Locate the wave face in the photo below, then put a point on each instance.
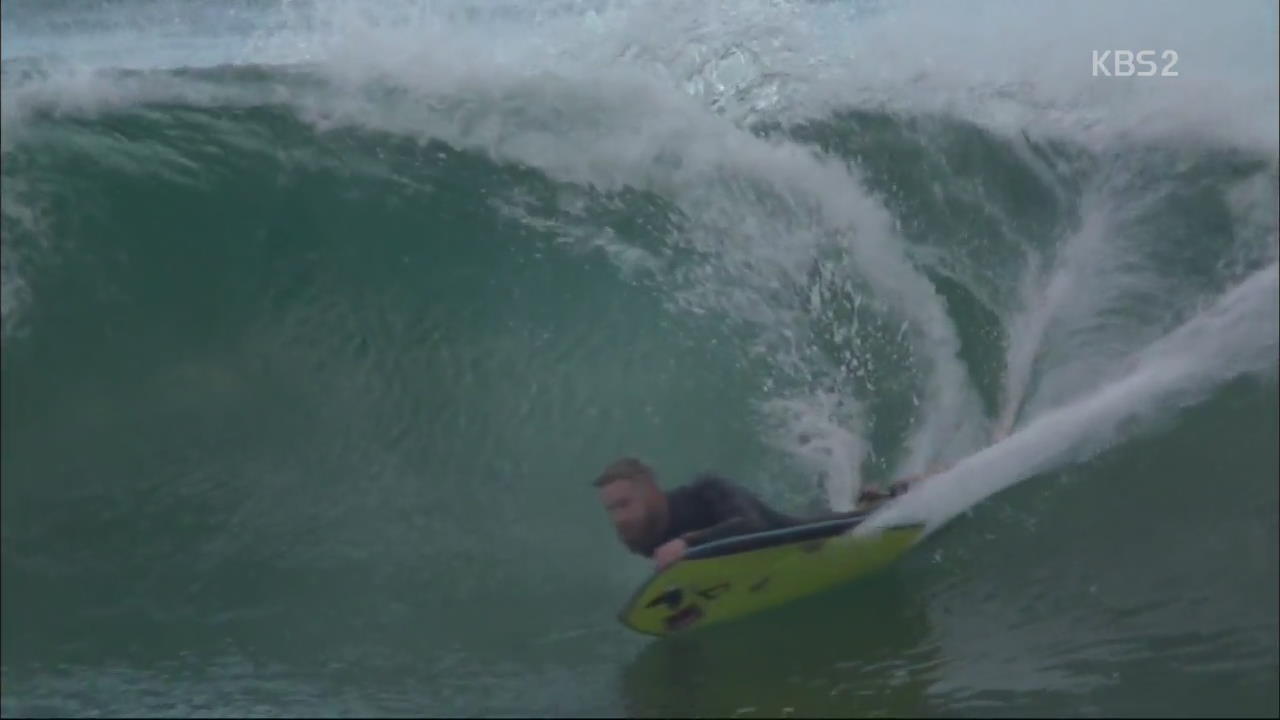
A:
(319, 317)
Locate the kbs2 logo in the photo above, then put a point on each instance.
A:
(1127, 63)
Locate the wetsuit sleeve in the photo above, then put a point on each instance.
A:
(737, 512)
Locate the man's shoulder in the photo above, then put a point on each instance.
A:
(706, 484)
(705, 479)
(710, 482)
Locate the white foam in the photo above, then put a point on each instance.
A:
(1011, 65)
(1239, 334)
(1029, 66)
(654, 94)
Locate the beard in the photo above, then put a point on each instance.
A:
(647, 537)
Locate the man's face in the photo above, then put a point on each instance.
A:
(630, 505)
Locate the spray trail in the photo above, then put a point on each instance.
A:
(1237, 335)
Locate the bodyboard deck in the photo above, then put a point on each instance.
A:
(743, 575)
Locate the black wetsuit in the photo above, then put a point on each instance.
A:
(712, 508)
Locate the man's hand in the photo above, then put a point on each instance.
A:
(669, 552)
(870, 495)
(901, 485)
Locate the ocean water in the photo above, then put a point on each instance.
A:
(319, 317)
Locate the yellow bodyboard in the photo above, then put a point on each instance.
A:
(740, 576)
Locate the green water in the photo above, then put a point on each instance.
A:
(305, 381)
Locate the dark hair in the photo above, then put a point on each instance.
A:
(627, 468)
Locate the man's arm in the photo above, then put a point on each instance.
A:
(737, 525)
(738, 512)
(872, 496)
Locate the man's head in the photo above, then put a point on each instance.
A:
(637, 507)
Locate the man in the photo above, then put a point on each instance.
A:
(663, 525)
